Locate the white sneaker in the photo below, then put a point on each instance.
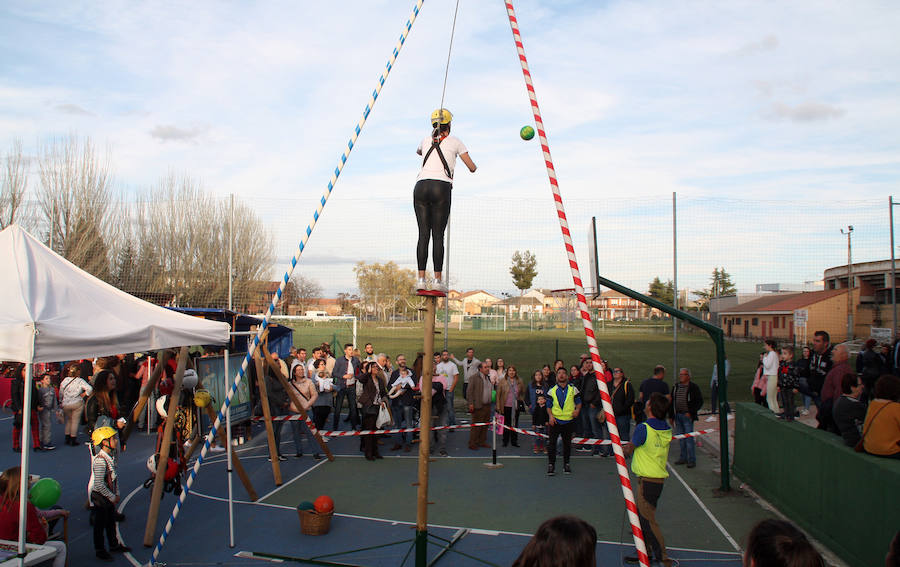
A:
(421, 284)
(440, 286)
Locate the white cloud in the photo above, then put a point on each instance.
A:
(809, 111)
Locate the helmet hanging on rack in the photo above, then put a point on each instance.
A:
(441, 116)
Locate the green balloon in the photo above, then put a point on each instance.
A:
(306, 505)
(44, 493)
(527, 132)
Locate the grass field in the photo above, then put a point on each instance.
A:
(636, 350)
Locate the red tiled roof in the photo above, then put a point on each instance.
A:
(784, 302)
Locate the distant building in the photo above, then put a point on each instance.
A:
(612, 305)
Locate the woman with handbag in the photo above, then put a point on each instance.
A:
(510, 401)
(307, 394)
(374, 392)
(74, 390)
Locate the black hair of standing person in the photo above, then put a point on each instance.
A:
(563, 540)
(779, 543)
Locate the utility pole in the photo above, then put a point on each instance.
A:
(849, 282)
(891, 205)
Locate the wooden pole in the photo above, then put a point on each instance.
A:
(295, 399)
(163, 460)
(267, 417)
(425, 435)
(162, 358)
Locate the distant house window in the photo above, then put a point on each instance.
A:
(737, 321)
(754, 321)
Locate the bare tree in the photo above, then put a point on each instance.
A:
(13, 183)
(177, 248)
(299, 293)
(75, 199)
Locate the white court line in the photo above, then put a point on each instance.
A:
(298, 477)
(715, 521)
(121, 507)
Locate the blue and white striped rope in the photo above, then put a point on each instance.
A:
(287, 276)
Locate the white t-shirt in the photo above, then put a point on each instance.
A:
(451, 147)
(447, 370)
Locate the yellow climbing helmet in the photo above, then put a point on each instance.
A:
(102, 433)
(441, 116)
(202, 398)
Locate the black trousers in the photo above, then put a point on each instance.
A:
(511, 418)
(431, 201)
(565, 430)
(104, 513)
(320, 416)
(348, 393)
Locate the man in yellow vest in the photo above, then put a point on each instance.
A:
(650, 445)
(564, 405)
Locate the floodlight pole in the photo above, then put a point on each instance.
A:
(891, 204)
(849, 283)
(227, 374)
(674, 283)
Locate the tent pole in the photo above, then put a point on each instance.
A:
(228, 448)
(26, 433)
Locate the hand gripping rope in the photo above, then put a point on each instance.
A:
(579, 292)
(275, 299)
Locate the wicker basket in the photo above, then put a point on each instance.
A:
(313, 523)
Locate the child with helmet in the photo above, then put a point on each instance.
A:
(103, 491)
(431, 195)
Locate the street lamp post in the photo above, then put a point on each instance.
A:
(849, 283)
(891, 205)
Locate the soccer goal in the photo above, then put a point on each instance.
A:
(312, 330)
(484, 322)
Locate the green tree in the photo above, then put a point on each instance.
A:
(382, 287)
(523, 270)
(299, 292)
(720, 285)
(661, 291)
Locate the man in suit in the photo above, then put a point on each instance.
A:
(345, 372)
(478, 397)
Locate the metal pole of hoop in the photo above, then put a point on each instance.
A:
(621, 467)
(220, 417)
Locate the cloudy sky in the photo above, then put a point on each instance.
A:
(782, 115)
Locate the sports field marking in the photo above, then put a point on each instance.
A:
(121, 507)
(712, 517)
(296, 478)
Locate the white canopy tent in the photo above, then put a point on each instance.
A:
(54, 311)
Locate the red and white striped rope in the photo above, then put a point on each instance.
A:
(354, 433)
(592, 441)
(579, 292)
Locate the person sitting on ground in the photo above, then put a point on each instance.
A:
(849, 410)
(778, 543)
(35, 529)
(881, 431)
(563, 540)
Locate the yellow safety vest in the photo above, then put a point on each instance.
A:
(649, 459)
(566, 412)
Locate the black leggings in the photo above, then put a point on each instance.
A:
(431, 201)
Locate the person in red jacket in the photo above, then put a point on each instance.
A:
(35, 532)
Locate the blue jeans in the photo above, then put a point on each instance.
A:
(298, 429)
(623, 423)
(597, 431)
(403, 418)
(451, 411)
(684, 424)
